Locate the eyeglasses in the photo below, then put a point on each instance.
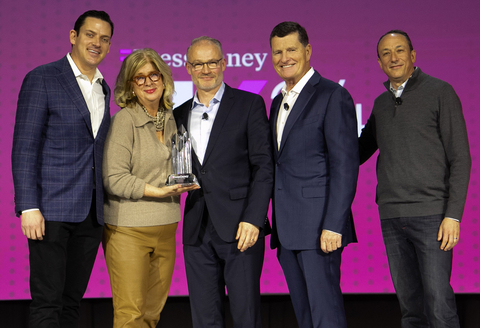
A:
(140, 80)
(211, 64)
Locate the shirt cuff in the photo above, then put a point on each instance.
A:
(334, 232)
(453, 219)
(30, 210)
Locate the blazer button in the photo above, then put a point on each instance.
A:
(203, 172)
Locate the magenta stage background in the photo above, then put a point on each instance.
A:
(343, 35)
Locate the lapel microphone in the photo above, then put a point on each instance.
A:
(205, 116)
(398, 101)
(286, 107)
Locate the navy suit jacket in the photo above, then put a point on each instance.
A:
(316, 167)
(236, 177)
(55, 158)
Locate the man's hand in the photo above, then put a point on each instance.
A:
(33, 225)
(330, 241)
(247, 235)
(448, 233)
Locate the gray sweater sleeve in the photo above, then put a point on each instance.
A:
(454, 137)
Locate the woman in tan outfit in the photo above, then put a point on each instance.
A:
(141, 213)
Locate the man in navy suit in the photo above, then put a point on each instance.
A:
(225, 221)
(314, 128)
(61, 123)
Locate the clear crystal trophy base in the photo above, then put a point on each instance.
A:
(186, 179)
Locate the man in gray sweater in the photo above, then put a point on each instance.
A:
(423, 169)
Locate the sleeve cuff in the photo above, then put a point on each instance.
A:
(453, 219)
(334, 232)
(30, 210)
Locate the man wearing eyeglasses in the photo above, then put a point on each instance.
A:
(225, 221)
(60, 127)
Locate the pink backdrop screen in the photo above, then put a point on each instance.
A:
(343, 36)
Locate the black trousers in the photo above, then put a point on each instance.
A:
(60, 268)
(212, 264)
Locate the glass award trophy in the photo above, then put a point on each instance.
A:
(182, 160)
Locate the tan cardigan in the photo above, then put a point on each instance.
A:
(132, 157)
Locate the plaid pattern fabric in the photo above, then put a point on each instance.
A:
(55, 159)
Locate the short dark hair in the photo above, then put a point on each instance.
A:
(286, 28)
(396, 32)
(94, 14)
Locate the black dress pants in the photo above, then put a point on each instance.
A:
(60, 268)
(212, 264)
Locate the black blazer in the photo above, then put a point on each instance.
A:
(236, 177)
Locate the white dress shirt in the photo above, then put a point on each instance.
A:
(398, 92)
(201, 128)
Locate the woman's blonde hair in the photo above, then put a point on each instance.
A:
(123, 86)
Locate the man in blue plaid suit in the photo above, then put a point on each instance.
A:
(61, 123)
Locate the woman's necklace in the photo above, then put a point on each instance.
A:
(159, 120)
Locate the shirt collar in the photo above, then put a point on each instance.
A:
(401, 87)
(98, 76)
(216, 99)
(300, 84)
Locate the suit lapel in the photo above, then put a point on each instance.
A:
(299, 107)
(226, 103)
(106, 114)
(68, 81)
(182, 119)
(273, 121)
(183, 114)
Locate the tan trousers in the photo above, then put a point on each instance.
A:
(140, 262)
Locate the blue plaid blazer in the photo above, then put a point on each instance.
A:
(56, 161)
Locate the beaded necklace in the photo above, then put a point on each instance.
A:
(159, 120)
